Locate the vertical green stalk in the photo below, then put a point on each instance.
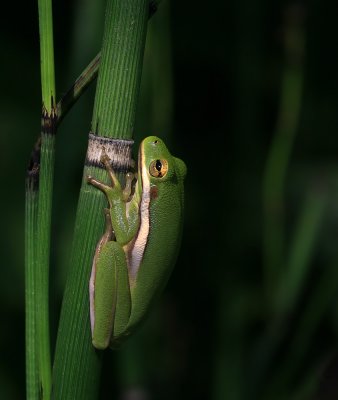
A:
(42, 260)
(279, 153)
(117, 88)
(46, 169)
(77, 364)
(273, 192)
(32, 371)
(302, 247)
(47, 54)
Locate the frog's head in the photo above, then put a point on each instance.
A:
(156, 162)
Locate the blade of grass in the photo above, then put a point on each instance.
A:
(301, 251)
(323, 295)
(280, 150)
(77, 365)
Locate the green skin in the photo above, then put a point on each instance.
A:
(136, 254)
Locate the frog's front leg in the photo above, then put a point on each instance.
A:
(112, 192)
(126, 192)
(123, 204)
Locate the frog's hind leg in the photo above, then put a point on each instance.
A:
(110, 302)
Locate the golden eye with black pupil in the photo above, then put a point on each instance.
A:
(158, 165)
(158, 168)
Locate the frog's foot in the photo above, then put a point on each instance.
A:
(106, 161)
(98, 184)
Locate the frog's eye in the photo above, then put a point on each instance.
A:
(158, 168)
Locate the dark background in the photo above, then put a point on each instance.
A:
(212, 87)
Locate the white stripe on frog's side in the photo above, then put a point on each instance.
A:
(136, 250)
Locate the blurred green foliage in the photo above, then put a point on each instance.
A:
(212, 86)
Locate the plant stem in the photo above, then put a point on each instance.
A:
(47, 54)
(43, 251)
(280, 151)
(301, 251)
(38, 219)
(32, 371)
(114, 92)
(77, 364)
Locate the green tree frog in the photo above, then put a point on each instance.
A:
(136, 254)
